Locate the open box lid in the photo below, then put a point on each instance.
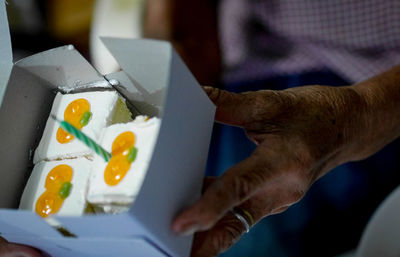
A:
(5, 50)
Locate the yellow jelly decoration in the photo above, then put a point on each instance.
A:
(123, 154)
(77, 114)
(58, 186)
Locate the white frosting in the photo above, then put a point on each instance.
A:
(124, 193)
(102, 105)
(75, 203)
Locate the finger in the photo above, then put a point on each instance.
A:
(207, 182)
(237, 185)
(228, 230)
(274, 198)
(232, 109)
(3, 241)
(16, 250)
(158, 20)
(218, 239)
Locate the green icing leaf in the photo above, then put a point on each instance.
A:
(65, 190)
(132, 154)
(86, 118)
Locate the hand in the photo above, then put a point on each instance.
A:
(16, 250)
(301, 134)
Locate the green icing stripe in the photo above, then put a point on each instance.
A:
(86, 140)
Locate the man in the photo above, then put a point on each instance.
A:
(301, 133)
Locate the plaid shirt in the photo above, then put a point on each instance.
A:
(354, 38)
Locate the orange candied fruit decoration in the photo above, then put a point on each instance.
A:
(51, 200)
(73, 114)
(48, 203)
(116, 169)
(75, 110)
(120, 162)
(57, 176)
(63, 136)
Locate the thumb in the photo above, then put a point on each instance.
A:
(11, 250)
(232, 108)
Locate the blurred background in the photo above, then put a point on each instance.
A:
(328, 221)
(40, 25)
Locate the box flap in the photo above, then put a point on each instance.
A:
(86, 247)
(105, 226)
(178, 163)
(25, 223)
(5, 50)
(176, 172)
(64, 67)
(23, 114)
(150, 104)
(147, 62)
(106, 247)
(45, 244)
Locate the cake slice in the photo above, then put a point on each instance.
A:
(115, 184)
(57, 188)
(90, 112)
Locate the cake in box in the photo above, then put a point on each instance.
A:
(90, 112)
(114, 185)
(57, 188)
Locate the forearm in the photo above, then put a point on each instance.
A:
(158, 22)
(380, 117)
(192, 27)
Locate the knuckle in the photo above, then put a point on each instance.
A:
(272, 109)
(243, 185)
(228, 237)
(297, 195)
(259, 103)
(232, 234)
(205, 252)
(280, 210)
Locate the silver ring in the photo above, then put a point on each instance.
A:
(241, 219)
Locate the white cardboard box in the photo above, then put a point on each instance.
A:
(157, 82)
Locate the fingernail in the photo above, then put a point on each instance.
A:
(208, 89)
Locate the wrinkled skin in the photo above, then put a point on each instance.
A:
(301, 134)
(15, 250)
